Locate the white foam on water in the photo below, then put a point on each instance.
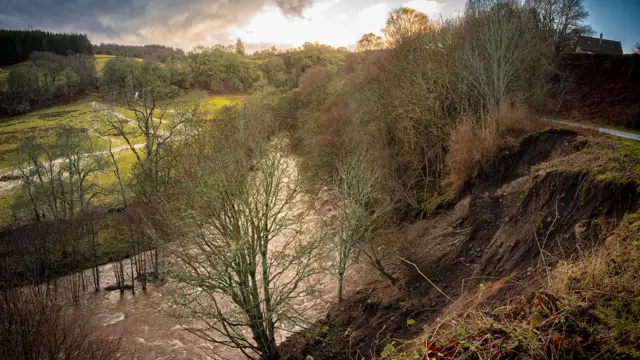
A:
(113, 318)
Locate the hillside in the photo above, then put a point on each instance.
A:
(534, 218)
(602, 89)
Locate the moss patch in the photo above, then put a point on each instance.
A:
(631, 149)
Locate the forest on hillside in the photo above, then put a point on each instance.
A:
(17, 45)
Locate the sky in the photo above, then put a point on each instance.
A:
(616, 20)
(260, 23)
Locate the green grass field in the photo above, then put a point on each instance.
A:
(216, 102)
(43, 125)
(79, 115)
(100, 60)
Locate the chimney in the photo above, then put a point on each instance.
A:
(600, 39)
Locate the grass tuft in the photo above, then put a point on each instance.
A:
(474, 142)
(591, 308)
(605, 159)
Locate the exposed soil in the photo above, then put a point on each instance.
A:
(507, 215)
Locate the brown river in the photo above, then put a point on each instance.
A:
(144, 322)
(147, 329)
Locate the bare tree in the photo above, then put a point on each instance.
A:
(82, 159)
(561, 20)
(359, 216)
(243, 258)
(32, 327)
(141, 89)
(494, 53)
(41, 178)
(56, 179)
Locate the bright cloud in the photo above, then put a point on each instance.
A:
(321, 23)
(325, 22)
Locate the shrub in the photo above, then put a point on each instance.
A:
(31, 327)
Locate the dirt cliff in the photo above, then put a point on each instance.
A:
(547, 201)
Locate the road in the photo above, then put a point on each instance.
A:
(618, 133)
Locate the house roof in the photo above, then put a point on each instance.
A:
(591, 44)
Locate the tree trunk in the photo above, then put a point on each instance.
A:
(271, 351)
(340, 280)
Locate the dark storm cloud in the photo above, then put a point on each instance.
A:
(179, 23)
(81, 14)
(293, 7)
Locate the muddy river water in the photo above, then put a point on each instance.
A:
(144, 322)
(147, 329)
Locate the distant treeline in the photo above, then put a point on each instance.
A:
(150, 52)
(17, 45)
(224, 68)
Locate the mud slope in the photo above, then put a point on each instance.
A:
(604, 89)
(555, 192)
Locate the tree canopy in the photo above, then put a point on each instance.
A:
(17, 45)
(44, 79)
(370, 41)
(404, 24)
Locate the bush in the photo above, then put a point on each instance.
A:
(31, 327)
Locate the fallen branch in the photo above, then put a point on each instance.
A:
(426, 278)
